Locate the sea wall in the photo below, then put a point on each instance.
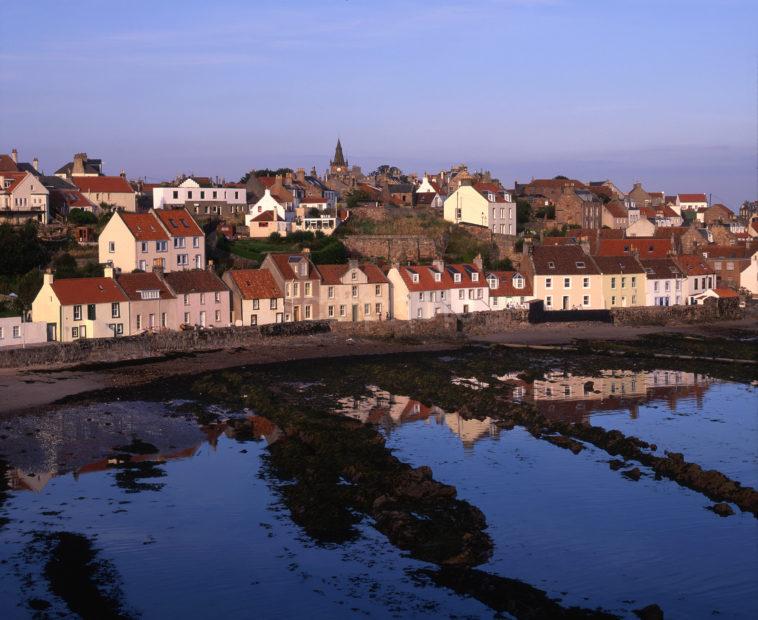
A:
(711, 310)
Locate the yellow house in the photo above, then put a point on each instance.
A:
(82, 308)
(624, 281)
(354, 292)
(256, 297)
(565, 278)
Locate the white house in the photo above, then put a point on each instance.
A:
(665, 282)
(699, 277)
(509, 289)
(268, 203)
(190, 192)
(17, 333)
(482, 204)
(690, 202)
(424, 291)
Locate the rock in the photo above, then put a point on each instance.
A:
(651, 612)
(722, 509)
(615, 464)
(633, 474)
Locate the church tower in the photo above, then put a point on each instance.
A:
(339, 163)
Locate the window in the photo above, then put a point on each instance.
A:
(566, 282)
(729, 266)
(77, 313)
(623, 281)
(717, 264)
(295, 289)
(253, 319)
(195, 242)
(354, 291)
(549, 301)
(667, 285)
(367, 309)
(378, 290)
(461, 294)
(353, 275)
(215, 194)
(613, 282)
(442, 295)
(551, 265)
(678, 285)
(218, 316)
(479, 293)
(161, 246)
(115, 310)
(272, 304)
(330, 312)
(17, 331)
(256, 304)
(634, 281)
(143, 247)
(330, 292)
(378, 308)
(182, 259)
(518, 282)
(421, 296)
(414, 278)
(456, 277)
(418, 313)
(175, 194)
(139, 321)
(586, 300)
(163, 319)
(90, 312)
(494, 301)
(287, 289)
(585, 282)
(307, 289)
(342, 310)
(74, 332)
(202, 298)
(186, 317)
(548, 282)
(111, 246)
(613, 300)
(475, 277)
(655, 286)
(189, 194)
(179, 242)
(1, 333)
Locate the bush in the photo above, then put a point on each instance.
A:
(274, 236)
(80, 217)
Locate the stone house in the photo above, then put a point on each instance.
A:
(717, 213)
(256, 297)
(300, 281)
(354, 292)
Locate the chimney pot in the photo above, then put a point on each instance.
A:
(14, 156)
(35, 164)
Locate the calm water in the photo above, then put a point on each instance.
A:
(205, 533)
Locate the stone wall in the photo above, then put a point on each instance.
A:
(375, 214)
(711, 310)
(391, 247)
(505, 243)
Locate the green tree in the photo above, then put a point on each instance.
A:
(355, 197)
(80, 217)
(28, 286)
(523, 214)
(64, 266)
(21, 249)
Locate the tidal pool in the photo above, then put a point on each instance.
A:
(188, 518)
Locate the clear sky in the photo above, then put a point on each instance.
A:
(662, 91)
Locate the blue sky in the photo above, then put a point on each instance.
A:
(662, 91)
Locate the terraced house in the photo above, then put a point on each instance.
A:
(169, 239)
(354, 292)
(82, 308)
(624, 281)
(256, 297)
(202, 298)
(424, 291)
(564, 277)
(298, 277)
(665, 282)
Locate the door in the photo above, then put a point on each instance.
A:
(279, 317)
(52, 332)
(202, 318)
(296, 313)
(565, 302)
(355, 312)
(465, 308)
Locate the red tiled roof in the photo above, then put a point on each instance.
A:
(179, 223)
(725, 292)
(87, 291)
(618, 264)
(267, 181)
(133, 283)
(666, 232)
(75, 199)
(693, 265)
(505, 286)
(692, 198)
(560, 241)
(488, 187)
(562, 260)
(256, 283)
(195, 281)
(617, 209)
(103, 185)
(728, 251)
(7, 164)
(312, 200)
(143, 226)
(426, 281)
(267, 216)
(645, 247)
(16, 178)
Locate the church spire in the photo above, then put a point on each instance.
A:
(339, 158)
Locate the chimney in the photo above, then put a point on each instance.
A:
(300, 175)
(14, 156)
(122, 174)
(478, 263)
(35, 164)
(438, 264)
(78, 167)
(209, 266)
(288, 178)
(108, 271)
(306, 252)
(47, 277)
(352, 263)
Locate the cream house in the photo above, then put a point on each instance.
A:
(624, 281)
(82, 308)
(169, 239)
(564, 277)
(256, 297)
(114, 191)
(23, 197)
(482, 204)
(353, 292)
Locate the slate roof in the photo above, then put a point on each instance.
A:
(195, 281)
(618, 264)
(91, 166)
(133, 283)
(562, 260)
(256, 283)
(284, 263)
(661, 269)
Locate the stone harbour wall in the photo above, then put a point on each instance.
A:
(711, 310)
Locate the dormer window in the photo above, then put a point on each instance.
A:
(456, 277)
(551, 265)
(414, 278)
(437, 276)
(303, 269)
(518, 282)
(492, 281)
(580, 264)
(475, 277)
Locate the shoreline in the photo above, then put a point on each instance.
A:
(41, 386)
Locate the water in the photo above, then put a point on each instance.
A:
(203, 531)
